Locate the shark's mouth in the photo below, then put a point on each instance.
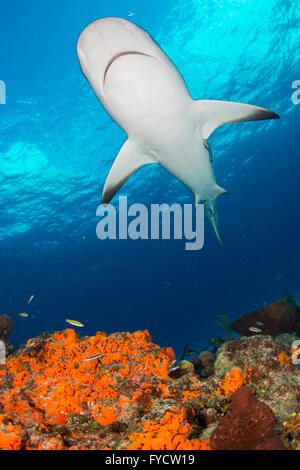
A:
(120, 54)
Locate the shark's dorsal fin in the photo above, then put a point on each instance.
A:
(213, 114)
(129, 159)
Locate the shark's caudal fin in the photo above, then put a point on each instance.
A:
(129, 159)
(211, 211)
(211, 208)
(215, 223)
(214, 114)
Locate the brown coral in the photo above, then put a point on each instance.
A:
(249, 425)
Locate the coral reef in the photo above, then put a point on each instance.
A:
(282, 316)
(286, 339)
(291, 433)
(184, 368)
(207, 360)
(106, 391)
(249, 425)
(269, 369)
(62, 391)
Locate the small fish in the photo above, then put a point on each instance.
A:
(30, 299)
(167, 283)
(24, 314)
(259, 323)
(172, 367)
(254, 329)
(74, 322)
(190, 352)
(130, 13)
(94, 356)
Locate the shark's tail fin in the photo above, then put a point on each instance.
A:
(211, 212)
(215, 223)
(213, 114)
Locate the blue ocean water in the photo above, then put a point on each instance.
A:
(57, 145)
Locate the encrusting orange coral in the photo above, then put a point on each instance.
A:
(58, 396)
(284, 359)
(232, 381)
(170, 433)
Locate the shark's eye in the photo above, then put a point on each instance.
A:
(206, 145)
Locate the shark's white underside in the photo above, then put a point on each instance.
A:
(145, 94)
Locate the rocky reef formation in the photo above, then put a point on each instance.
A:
(114, 391)
(267, 363)
(282, 316)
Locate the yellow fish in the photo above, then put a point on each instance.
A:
(30, 299)
(74, 322)
(23, 314)
(254, 329)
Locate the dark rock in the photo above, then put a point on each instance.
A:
(279, 317)
(207, 359)
(197, 363)
(6, 325)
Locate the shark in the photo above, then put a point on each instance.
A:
(145, 94)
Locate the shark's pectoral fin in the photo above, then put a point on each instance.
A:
(214, 114)
(129, 159)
